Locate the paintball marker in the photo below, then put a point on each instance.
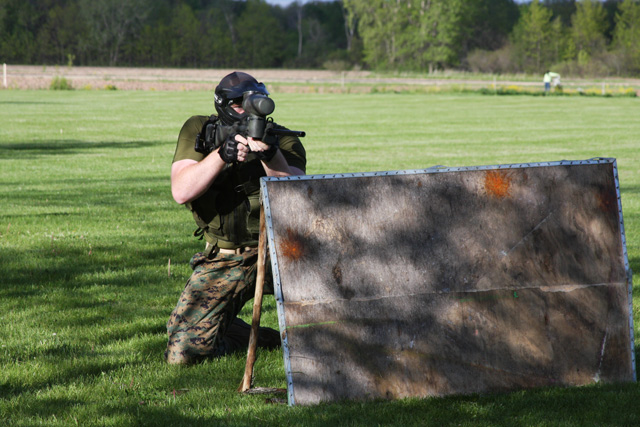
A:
(255, 124)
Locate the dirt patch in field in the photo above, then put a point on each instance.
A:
(277, 80)
(39, 77)
(305, 81)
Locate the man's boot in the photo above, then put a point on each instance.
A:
(237, 337)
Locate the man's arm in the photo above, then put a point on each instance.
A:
(277, 166)
(190, 179)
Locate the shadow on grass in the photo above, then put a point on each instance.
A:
(31, 149)
(135, 411)
(70, 289)
(29, 102)
(75, 268)
(634, 264)
(585, 406)
(608, 405)
(81, 196)
(632, 189)
(67, 371)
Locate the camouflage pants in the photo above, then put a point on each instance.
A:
(204, 323)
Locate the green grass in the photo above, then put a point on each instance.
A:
(88, 231)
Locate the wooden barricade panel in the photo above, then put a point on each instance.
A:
(450, 280)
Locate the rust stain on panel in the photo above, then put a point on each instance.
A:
(292, 246)
(497, 183)
(337, 274)
(607, 200)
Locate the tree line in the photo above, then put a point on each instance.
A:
(499, 36)
(171, 33)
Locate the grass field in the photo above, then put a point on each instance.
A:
(94, 252)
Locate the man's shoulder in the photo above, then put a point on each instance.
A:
(186, 139)
(192, 126)
(196, 120)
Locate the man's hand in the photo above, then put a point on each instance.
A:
(234, 149)
(264, 150)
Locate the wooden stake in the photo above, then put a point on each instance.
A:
(257, 306)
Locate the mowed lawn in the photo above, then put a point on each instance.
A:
(94, 252)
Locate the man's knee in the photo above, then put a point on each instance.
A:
(185, 348)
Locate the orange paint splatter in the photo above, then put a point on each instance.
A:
(607, 201)
(291, 247)
(497, 184)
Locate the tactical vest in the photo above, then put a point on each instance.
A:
(228, 213)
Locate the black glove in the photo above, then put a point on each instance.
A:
(272, 141)
(229, 149)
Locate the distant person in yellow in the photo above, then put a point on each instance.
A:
(550, 76)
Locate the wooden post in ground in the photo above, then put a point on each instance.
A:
(257, 306)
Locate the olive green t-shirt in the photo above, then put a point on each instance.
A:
(291, 147)
(229, 211)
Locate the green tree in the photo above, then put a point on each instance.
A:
(218, 46)
(58, 39)
(230, 10)
(260, 36)
(152, 47)
(532, 37)
(626, 37)
(320, 32)
(350, 25)
(152, 44)
(19, 23)
(112, 23)
(186, 37)
(409, 34)
(379, 25)
(561, 46)
(432, 37)
(486, 24)
(588, 25)
(563, 9)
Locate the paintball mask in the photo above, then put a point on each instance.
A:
(242, 89)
